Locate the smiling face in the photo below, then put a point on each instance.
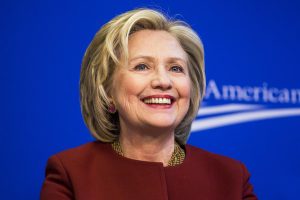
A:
(153, 89)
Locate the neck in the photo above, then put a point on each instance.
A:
(147, 147)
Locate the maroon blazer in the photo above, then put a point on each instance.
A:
(94, 171)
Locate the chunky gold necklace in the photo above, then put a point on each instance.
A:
(177, 157)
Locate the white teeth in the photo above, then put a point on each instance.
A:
(157, 101)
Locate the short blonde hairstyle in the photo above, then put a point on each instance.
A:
(103, 56)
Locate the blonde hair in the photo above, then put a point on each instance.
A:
(103, 55)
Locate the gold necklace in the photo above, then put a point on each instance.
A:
(177, 157)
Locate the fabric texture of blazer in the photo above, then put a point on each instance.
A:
(94, 171)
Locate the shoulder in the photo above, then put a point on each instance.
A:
(83, 156)
(197, 152)
(84, 150)
(75, 162)
(221, 171)
(66, 171)
(215, 162)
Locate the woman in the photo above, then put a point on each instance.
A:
(141, 83)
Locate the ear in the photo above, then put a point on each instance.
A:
(108, 96)
(110, 99)
(112, 107)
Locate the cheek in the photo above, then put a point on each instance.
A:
(185, 95)
(184, 89)
(126, 89)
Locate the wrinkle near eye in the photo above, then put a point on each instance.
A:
(141, 67)
(177, 68)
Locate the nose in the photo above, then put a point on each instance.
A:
(161, 80)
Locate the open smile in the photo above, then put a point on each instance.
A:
(159, 100)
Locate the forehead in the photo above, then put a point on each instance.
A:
(154, 43)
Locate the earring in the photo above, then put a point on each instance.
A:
(112, 109)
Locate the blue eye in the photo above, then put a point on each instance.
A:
(177, 69)
(141, 67)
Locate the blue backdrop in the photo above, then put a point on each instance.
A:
(251, 111)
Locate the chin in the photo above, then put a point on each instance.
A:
(162, 123)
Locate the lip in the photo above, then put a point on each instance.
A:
(160, 96)
(159, 106)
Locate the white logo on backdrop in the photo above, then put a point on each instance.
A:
(246, 104)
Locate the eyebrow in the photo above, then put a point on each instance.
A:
(150, 58)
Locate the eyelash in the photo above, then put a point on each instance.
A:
(178, 68)
(138, 67)
(174, 68)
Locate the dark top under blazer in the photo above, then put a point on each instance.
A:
(94, 171)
